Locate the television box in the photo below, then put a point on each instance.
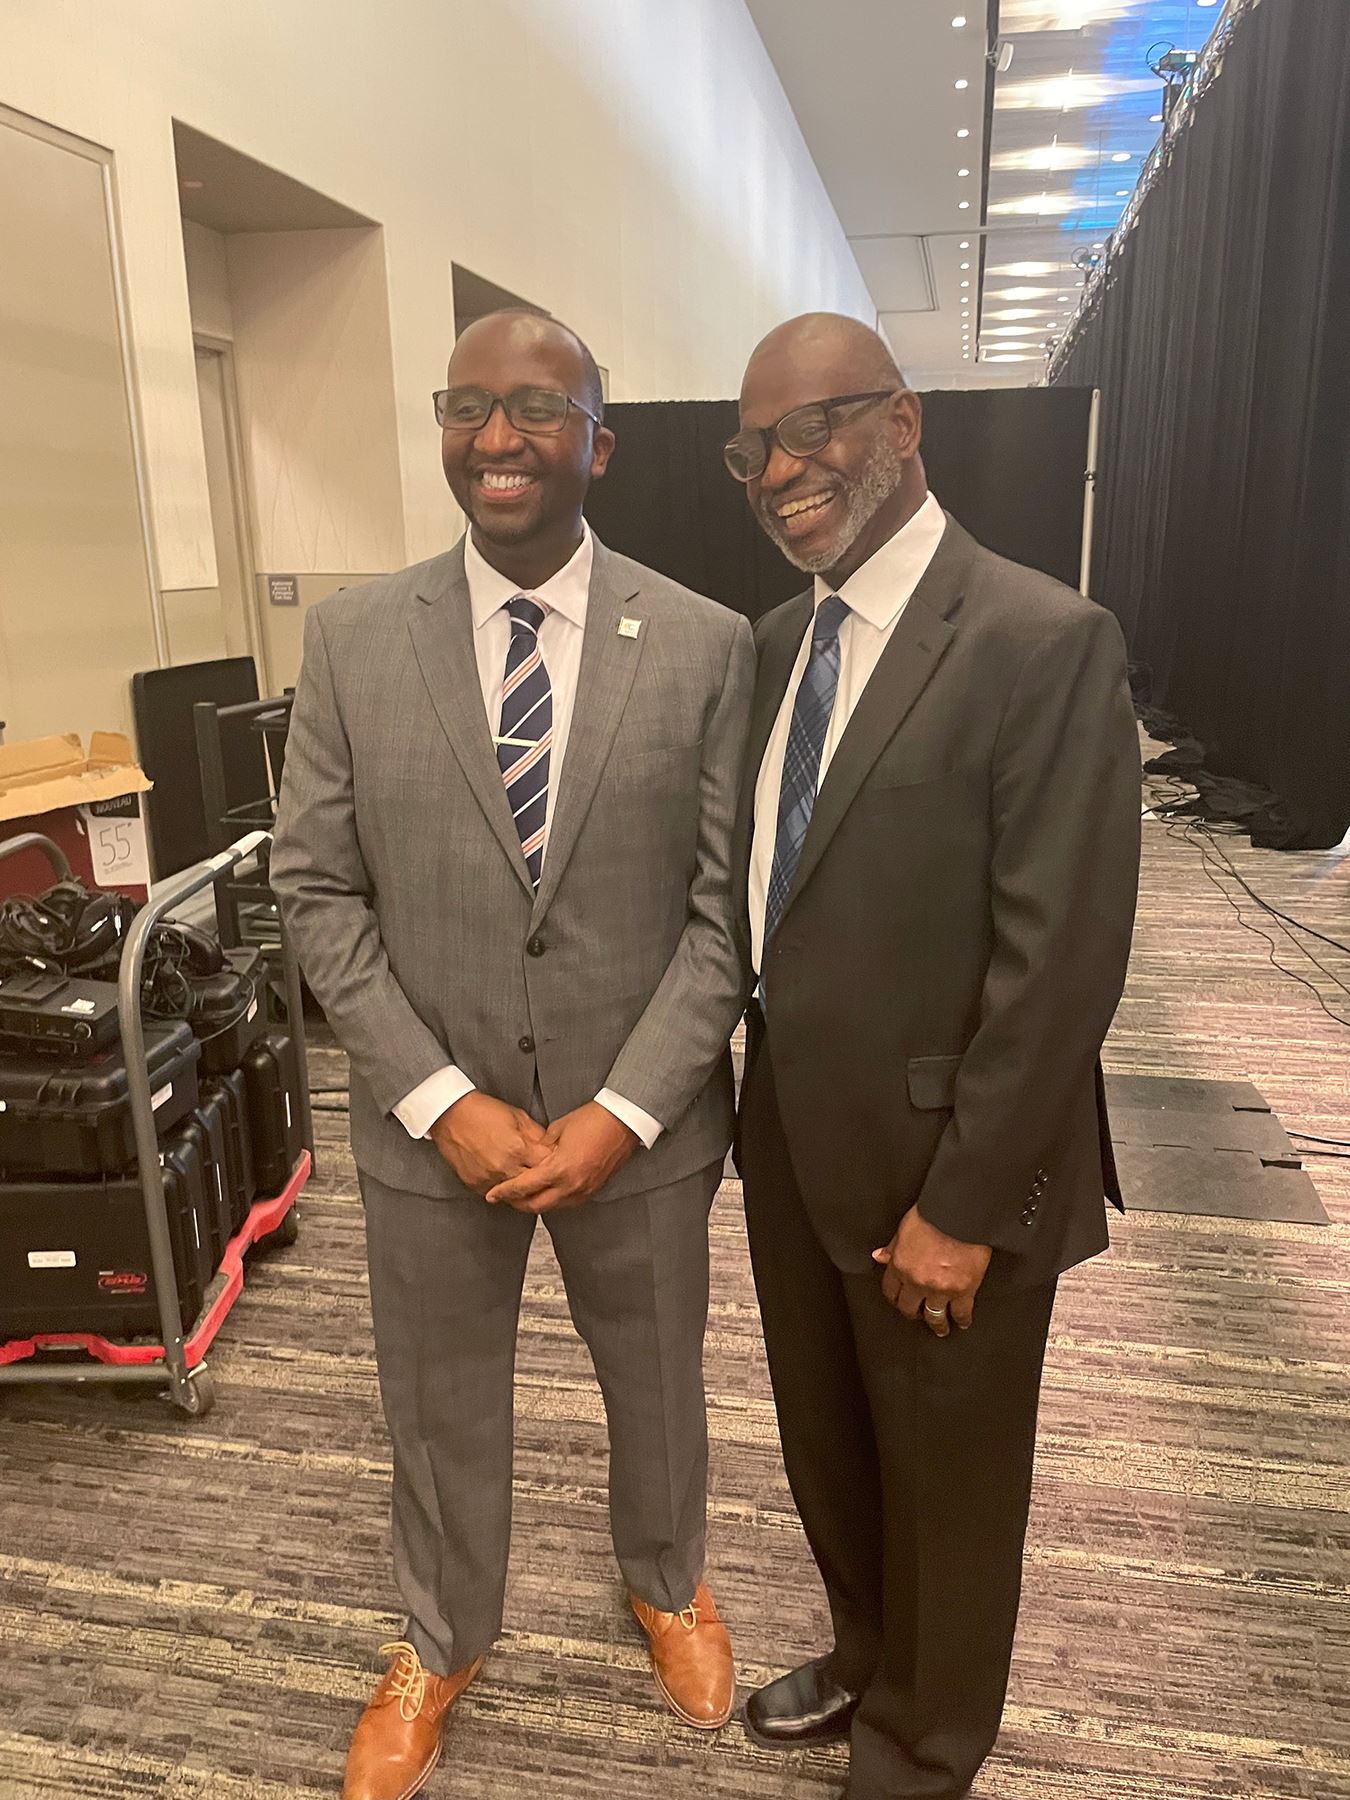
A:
(87, 801)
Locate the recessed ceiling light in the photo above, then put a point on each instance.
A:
(965, 284)
(1063, 299)
(1121, 156)
(964, 132)
(965, 266)
(1155, 119)
(1122, 193)
(963, 206)
(958, 22)
(961, 86)
(965, 243)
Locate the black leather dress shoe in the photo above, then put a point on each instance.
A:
(802, 1707)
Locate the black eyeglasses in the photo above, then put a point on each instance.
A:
(801, 432)
(539, 412)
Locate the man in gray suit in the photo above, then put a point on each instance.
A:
(503, 848)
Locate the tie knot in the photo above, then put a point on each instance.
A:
(527, 612)
(830, 615)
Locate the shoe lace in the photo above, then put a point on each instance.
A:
(409, 1680)
(688, 1616)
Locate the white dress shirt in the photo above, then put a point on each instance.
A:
(876, 595)
(560, 639)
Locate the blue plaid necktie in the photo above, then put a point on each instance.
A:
(801, 761)
(526, 730)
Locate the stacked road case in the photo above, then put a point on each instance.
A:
(133, 1182)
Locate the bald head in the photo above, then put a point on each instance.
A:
(833, 437)
(521, 475)
(517, 334)
(827, 353)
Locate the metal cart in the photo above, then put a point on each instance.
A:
(178, 1362)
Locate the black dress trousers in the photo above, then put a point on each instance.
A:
(910, 1460)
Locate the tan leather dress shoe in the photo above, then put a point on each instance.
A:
(397, 1743)
(691, 1659)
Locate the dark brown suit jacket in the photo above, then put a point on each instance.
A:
(956, 939)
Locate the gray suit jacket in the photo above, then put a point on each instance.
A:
(399, 870)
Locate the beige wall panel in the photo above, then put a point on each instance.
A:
(75, 594)
(316, 399)
(192, 617)
(208, 280)
(283, 627)
(654, 189)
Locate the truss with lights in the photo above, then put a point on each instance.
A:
(1188, 95)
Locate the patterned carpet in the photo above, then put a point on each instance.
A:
(190, 1610)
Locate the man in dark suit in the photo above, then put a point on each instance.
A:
(941, 828)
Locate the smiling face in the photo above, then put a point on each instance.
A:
(524, 490)
(828, 510)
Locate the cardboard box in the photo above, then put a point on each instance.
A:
(89, 803)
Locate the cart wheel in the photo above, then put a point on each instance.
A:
(201, 1394)
(288, 1230)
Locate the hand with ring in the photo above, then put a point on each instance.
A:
(931, 1277)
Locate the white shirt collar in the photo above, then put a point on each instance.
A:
(880, 590)
(565, 593)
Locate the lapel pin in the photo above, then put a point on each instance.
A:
(629, 627)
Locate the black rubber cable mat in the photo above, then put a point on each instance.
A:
(1206, 1147)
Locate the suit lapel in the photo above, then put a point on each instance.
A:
(441, 625)
(776, 651)
(918, 644)
(609, 663)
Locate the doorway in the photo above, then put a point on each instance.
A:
(227, 622)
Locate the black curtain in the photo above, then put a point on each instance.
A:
(1008, 463)
(668, 501)
(1221, 343)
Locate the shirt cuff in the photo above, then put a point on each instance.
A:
(641, 1124)
(418, 1111)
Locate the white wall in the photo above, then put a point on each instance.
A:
(632, 165)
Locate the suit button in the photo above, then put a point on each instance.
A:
(527, 1045)
(1029, 1215)
(535, 947)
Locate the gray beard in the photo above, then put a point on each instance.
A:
(864, 498)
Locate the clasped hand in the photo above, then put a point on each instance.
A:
(931, 1276)
(508, 1157)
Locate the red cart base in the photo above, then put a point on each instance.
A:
(265, 1216)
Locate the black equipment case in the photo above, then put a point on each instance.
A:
(274, 1111)
(232, 1092)
(72, 1118)
(209, 1122)
(75, 1255)
(223, 1051)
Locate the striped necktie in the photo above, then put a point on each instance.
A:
(801, 761)
(526, 730)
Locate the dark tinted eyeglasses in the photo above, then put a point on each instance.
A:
(540, 412)
(801, 432)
